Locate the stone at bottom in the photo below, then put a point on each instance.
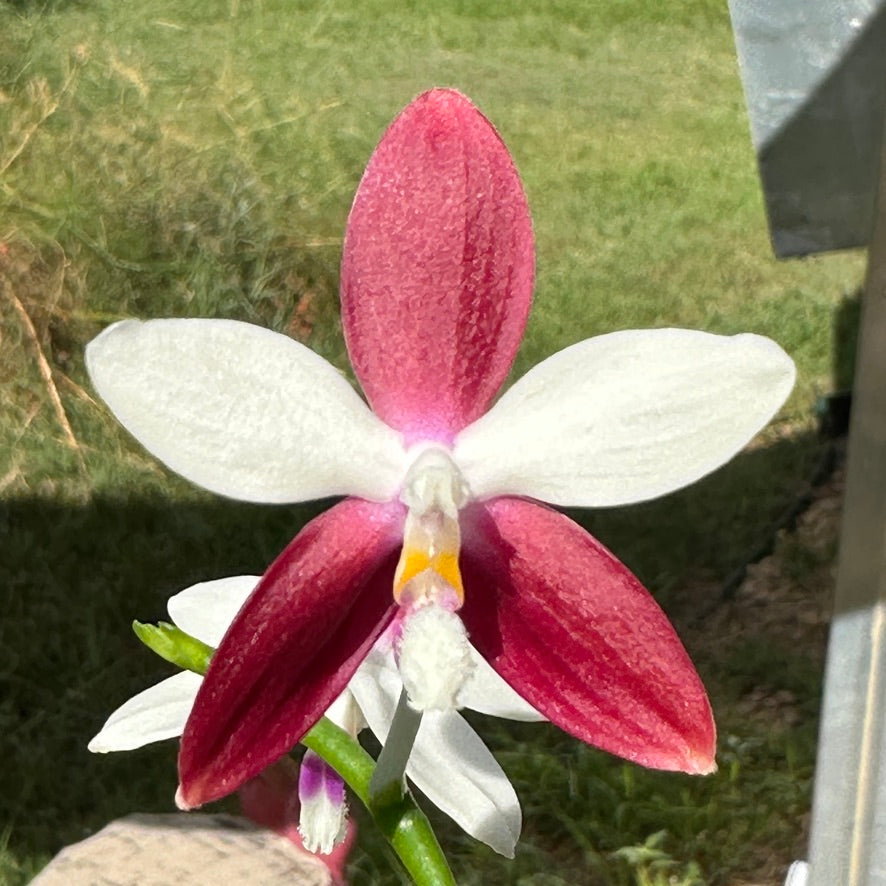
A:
(184, 849)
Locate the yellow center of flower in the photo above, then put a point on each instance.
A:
(424, 561)
(428, 570)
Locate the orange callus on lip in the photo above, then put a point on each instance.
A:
(415, 561)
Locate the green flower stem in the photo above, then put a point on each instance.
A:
(404, 825)
(398, 817)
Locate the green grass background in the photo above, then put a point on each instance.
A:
(198, 158)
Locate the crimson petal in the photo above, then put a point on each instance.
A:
(292, 648)
(437, 269)
(577, 635)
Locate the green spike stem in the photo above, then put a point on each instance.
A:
(398, 817)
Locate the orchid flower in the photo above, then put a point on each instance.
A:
(442, 535)
(449, 762)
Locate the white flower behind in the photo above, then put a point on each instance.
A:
(449, 762)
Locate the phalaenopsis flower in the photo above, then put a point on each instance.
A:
(442, 535)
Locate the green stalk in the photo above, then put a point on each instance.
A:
(398, 817)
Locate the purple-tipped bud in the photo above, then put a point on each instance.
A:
(324, 809)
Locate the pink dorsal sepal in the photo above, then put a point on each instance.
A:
(438, 268)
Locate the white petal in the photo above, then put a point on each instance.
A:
(206, 610)
(153, 715)
(346, 714)
(456, 772)
(625, 417)
(376, 687)
(798, 874)
(488, 693)
(449, 763)
(243, 411)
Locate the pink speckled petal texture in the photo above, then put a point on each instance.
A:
(438, 268)
(576, 634)
(292, 648)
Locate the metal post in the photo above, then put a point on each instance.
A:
(848, 843)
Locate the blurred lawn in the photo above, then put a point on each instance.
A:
(198, 158)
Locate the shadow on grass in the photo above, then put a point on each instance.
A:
(72, 580)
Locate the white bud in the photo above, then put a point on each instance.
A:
(323, 818)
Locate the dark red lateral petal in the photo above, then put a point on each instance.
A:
(576, 634)
(437, 270)
(292, 648)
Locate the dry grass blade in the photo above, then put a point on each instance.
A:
(45, 370)
(47, 105)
